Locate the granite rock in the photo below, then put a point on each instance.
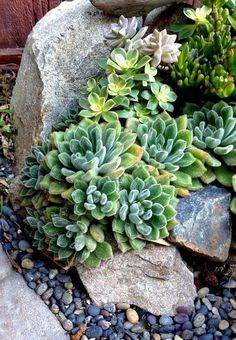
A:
(144, 278)
(59, 57)
(23, 315)
(204, 223)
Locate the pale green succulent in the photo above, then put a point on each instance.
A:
(167, 145)
(159, 96)
(99, 197)
(146, 212)
(67, 238)
(127, 33)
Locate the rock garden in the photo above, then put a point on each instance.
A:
(117, 174)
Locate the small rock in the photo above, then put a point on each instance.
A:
(52, 273)
(132, 316)
(233, 327)
(27, 264)
(67, 297)
(84, 337)
(67, 325)
(181, 318)
(207, 303)
(24, 245)
(177, 337)
(203, 292)
(47, 294)
(94, 332)
(58, 292)
(29, 276)
(63, 278)
(104, 324)
(93, 310)
(156, 337)
(68, 285)
(54, 309)
(78, 303)
(223, 325)
(42, 287)
(137, 328)
(206, 337)
(165, 320)
(199, 320)
(123, 306)
(152, 319)
(32, 285)
(232, 314)
(233, 303)
(184, 310)
(187, 334)
(110, 307)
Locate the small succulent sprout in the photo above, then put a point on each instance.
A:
(199, 15)
(98, 106)
(127, 63)
(147, 210)
(99, 197)
(127, 33)
(162, 47)
(159, 95)
(214, 129)
(118, 86)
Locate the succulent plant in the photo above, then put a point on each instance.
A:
(65, 121)
(167, 145)
(69, 239)
(99, 197)
(146, 212)
(214, 129)
(127, 33)
(159, 95)
(162, 47)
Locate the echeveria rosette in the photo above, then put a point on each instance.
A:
(69, 240)
(98, 198)
(167, 145)
(159, 96)
(146, 212)
(162, 47)
(127, 33)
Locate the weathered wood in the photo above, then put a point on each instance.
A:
(10, 55)
(19, 17)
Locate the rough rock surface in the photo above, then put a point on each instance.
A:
(59, 57)
(204, 223)
(23, 315)
(144, 278)
(130, 8)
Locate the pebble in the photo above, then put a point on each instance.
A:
(187, 325)
(152, 319)
(94, 332)
(177, 337)
(203, 292)
(232, 314)
(67, 297)
(52, 273)
(68, 285)
(104, 324)
(128, 325)
(84, 337)
(233, 327)
(206, 337)
(187, 334)
(67, 325)
(58, 292)
(184, 310)
(181, 318)
(54, 308)
(233, 303)
(41, 288)
(199, 320)
(29, 276)
(110, 307)
(24, 245)
(207, 303)
(223, 325)
(165, 320)
(156, 337)
(93, 310)
(123, 306)
(63, 278)
(132, 316)
(47, 294)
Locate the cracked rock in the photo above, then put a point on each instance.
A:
(204, 223)
(144, 278)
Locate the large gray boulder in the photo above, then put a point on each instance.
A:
(59, 57)
(155, 279)
(204, 223)
(23, 315)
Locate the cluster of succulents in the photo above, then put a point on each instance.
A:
(207, 59)
(111, 172)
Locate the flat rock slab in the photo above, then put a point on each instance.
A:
(23, 315)
(60, 55)
(130, 8)
(155, 279)
(204, 223)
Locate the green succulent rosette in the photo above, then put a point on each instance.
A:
(67, 238)
(167, 145)
(146, 211)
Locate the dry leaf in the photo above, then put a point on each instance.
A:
(80, 333)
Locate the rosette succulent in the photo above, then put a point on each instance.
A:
(159, 95)
(146, 212)
(162, 47)
(127, 33)
(167, 145)
(214, 129)
(68, 238)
